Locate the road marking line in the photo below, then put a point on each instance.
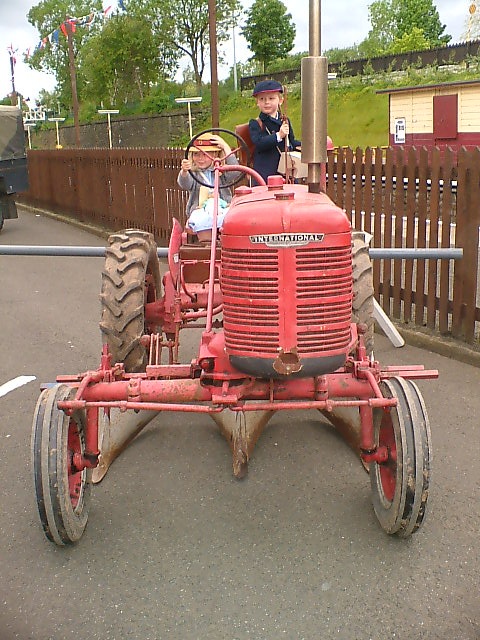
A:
(11, 385)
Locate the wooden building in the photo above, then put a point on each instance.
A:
(436, 115)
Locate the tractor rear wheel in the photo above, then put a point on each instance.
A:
(362, 306)
(130, 279)
(400, 484)
(62, 491)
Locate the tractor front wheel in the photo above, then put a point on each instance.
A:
(62, 491)
(400, 483)
(130, 279)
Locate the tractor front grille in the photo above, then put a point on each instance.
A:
(284, 298)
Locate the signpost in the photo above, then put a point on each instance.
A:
(108, 113)
(57, 120)
(188, 101)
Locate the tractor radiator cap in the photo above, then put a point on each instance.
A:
(275, 182)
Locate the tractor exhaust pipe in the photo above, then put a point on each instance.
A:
(314, 71)
(314, 153)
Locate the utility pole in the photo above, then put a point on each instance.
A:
(212, 30)
(13, 98)
(235, 79)
(73, 80)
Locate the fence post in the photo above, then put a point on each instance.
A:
(467, 223)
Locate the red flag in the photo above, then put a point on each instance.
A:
(71, 22)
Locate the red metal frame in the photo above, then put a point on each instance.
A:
(210, 384)
(187, 388)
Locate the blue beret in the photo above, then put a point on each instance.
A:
(267, 85)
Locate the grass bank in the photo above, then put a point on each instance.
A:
(357, 117)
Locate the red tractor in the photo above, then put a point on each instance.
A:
(284, 302)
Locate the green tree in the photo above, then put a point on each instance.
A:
(382, 32)
(269, 31)
(395, 20)
(51, 100)
(121, 62)
(341, 55)
(413, 41)
(424, 15)
(52, 57)
(182, 27)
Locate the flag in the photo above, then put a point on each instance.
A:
(11, 53)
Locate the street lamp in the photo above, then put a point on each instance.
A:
(188, 101)
(108, 113)
(28, 126)
(57, 120)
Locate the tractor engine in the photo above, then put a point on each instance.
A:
(286, 281)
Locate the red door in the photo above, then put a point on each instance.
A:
(445, 119)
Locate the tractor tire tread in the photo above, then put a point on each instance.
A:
(363, 292)
(128, 259)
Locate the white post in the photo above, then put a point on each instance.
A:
(108, 113)
(190, 120)
(109, 130)
(188, 101)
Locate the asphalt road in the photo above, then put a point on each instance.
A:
(176, 548)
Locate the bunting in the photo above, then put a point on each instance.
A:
(72, 23)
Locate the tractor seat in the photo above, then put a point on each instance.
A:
(197, 252)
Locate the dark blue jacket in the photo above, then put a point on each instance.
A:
(267, 149)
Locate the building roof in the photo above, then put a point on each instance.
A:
(424, 87)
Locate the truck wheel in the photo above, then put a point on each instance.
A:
(62, 492)
(400, 484)
(130, 279)
(362, 306)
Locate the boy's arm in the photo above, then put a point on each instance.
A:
(262, 140)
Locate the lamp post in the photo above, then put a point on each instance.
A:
(28, 126)
(235, 78)
(57, 120)
(189, 101)
(108, 113)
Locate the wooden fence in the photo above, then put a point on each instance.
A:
(403, 198)
(116, 189)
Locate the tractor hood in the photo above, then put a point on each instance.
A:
(291, 212)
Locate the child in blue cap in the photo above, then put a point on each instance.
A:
(269, 130)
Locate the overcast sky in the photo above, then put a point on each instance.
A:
(344, 22)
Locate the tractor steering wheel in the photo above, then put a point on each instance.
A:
(242, 145)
